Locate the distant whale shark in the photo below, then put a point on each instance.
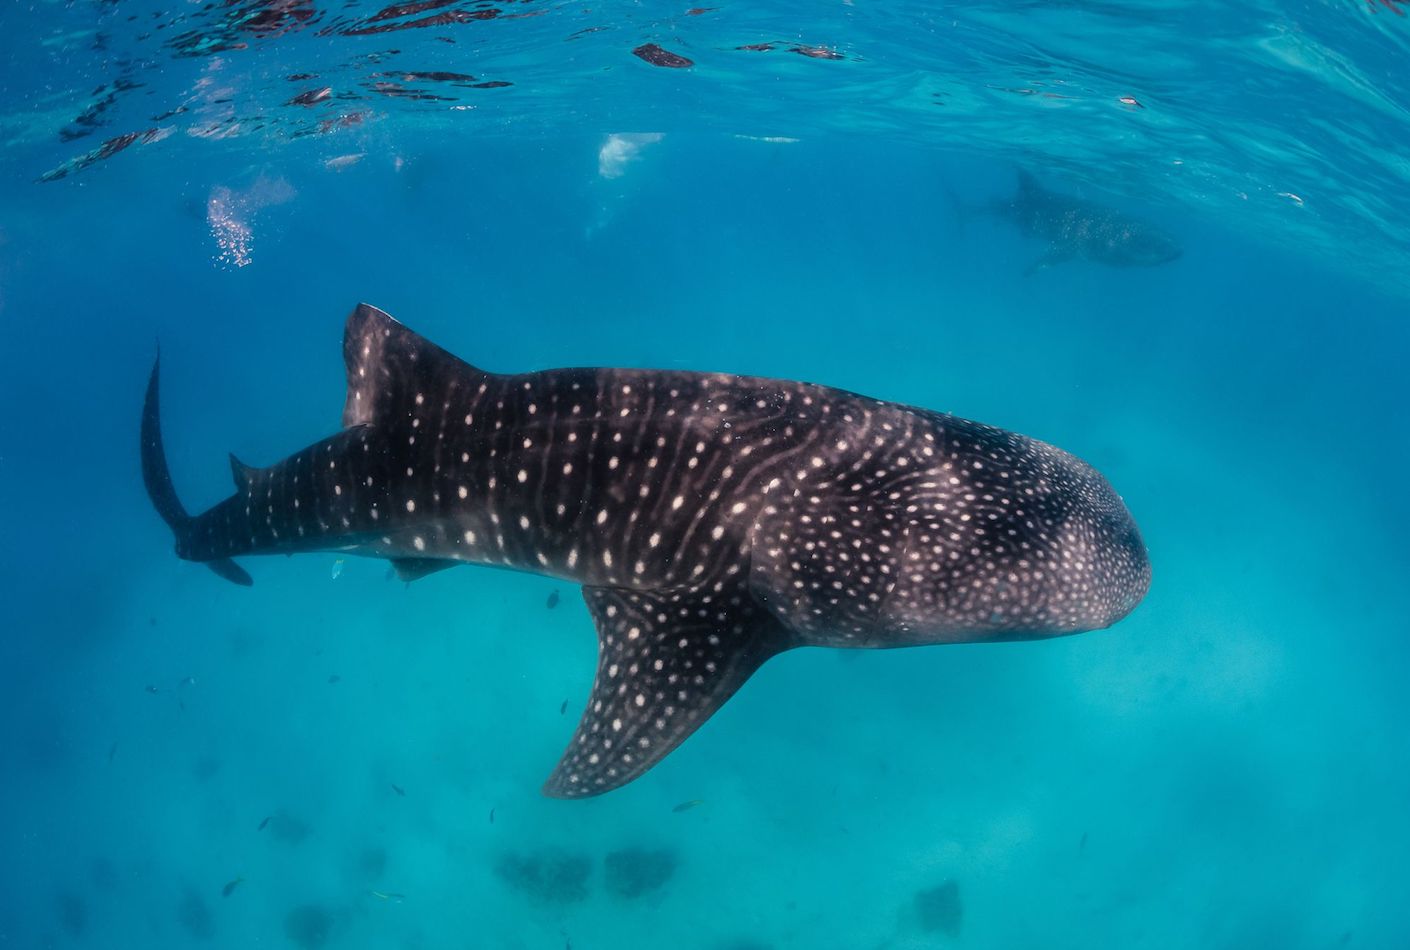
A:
(714, 521)
(1081, 229)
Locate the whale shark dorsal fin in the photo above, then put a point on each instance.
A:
(666, 660)
(389, 366)
(242, 473)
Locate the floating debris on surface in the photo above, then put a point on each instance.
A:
(657, 56)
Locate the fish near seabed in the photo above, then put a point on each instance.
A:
(714, 521)
(1074, 228)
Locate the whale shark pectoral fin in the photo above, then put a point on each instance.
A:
(414, 568)
(666, 660)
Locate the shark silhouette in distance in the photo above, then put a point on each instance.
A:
(714, 521)
(1077, 229)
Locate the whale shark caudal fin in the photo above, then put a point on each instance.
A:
(392, 370)
(157, 477)
(666, 660)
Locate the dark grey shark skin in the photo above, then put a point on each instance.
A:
(1080, 229)
(714, 521)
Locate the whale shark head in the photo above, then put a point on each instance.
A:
(1025, 541)
(1146, 246)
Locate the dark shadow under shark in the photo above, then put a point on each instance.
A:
(714, 521)
(1075, 229)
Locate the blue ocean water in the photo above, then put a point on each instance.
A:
(361, 758)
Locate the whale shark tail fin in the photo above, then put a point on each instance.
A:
(157, 478)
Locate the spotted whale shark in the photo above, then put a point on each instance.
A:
(713, 521)
(1077, 229)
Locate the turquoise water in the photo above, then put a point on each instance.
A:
(1224, 768)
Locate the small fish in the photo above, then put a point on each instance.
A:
(188, 681)
(491, 816)
(311, 97)
(263, 823)
(229, 888)
(337, 568)
(552, 600)
(152, 689)
(112, 751)
(563, 708)
(339, 162)
(817, 52)
(389, 896)
(398, 789)
(335, 678)
(687, 806)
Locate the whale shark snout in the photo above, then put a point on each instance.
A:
(1104, 570)
(1145, 248)
(1095, 565)
(1046, 548)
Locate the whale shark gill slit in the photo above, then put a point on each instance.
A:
(713, 521)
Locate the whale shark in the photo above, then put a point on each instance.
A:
(713, 521)
(1075, 229)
